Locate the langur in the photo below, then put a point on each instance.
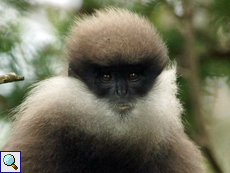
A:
(114, 111)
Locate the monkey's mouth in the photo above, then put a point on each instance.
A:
(123, 106)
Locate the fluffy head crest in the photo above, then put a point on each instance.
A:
(115, 36)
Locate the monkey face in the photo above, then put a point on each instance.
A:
(119, 83)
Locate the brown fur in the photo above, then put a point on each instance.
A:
(115, 34)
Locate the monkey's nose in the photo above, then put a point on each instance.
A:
(121, 93)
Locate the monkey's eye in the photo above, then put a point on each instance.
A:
(106, 77)
(133, 76)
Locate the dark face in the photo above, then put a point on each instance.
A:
(121, 84)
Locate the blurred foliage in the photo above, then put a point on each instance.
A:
(20, 5)
(37, 61)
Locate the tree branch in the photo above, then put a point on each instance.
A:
(10, 77)
(190, 64)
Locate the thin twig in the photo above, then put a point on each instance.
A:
(10, 77)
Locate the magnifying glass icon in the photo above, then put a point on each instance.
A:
(9, 160)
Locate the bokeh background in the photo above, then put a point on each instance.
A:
(197, 33)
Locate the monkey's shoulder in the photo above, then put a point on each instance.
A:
(56, 94)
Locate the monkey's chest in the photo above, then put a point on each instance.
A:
(88, 154)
